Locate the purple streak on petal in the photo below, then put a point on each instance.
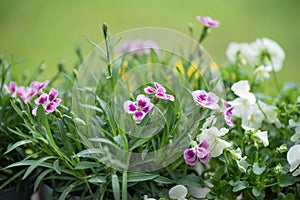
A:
(57, 101)
(206, 158)
(190, 157)
(159, 88)
(42, 85)
(129, 106)
(228, 116)
(138, 116)
(13, 87)
(204, 144)
(142, 101)
(50, 107)
(42, 99)
(146, 109)
(53, 94)
(160, 95)
(207, 21)
(149, 90)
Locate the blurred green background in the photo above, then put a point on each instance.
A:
(49, 30)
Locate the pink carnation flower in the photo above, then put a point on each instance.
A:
(49, 102)
(138, 108)
(208, 22)
(12, 89)
(159, 91)
(207, 100)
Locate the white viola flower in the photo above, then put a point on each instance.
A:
(243, 164)
(178, 192)
(263, 137)
(261, 73)
(212, 135)
(294, 159)
(243, 51)
(241, 107)
(253, 118)
(296, 137)
(209, 122)
(274, 50)
(260, 136)
(271, 114)
(242, 89)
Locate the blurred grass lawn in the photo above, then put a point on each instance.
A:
(49, 30)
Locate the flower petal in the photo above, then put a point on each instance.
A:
(190, 157)
(150, 90)
(53, 94)
(42, 99)
(159, 88)
(142, 101)
(138, 116)
(130, 107)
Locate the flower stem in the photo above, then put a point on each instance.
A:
(124, 185)
(105, 33)
(203, 34)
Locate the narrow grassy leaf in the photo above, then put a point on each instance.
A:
(35, 165)
(17, 144)
(115, 186)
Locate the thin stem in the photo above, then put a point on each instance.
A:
(105, 33)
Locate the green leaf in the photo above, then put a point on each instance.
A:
(116, 66)
(17, 144)
(256, 192)
(139, 142)
(287, 180)
(35, 165)
(257, 169)
(16, 108)
(88, 152)
(86, 165)
(164, 180)
(40, 178)
(56, 166)
(290, 196)
(238, 185)
(190, 180)
(68, 189)
(115, 186)
(97, 179)
(138, 177)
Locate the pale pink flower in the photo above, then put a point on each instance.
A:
(49, 102)
(207, 100)
(12, 89)
(208, 21)
(138, 108)
(26, 93)
(159, 91)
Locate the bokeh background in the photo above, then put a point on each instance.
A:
(49, 30)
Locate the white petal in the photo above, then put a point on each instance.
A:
(263, 137)
(218, 146)
(293, 157)
(242, 89)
